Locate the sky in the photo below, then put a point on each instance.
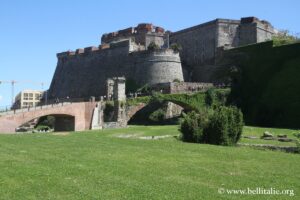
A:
(33, 31)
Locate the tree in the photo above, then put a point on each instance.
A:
(284, 37)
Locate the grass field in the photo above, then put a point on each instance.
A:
(258, 132)
(117, 164)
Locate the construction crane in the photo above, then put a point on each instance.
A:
(13, 82)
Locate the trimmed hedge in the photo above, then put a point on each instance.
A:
(222, 126)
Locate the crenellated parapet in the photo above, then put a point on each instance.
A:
(79, 51)
(127, 45)
(142, 34)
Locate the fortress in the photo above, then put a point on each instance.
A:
(83, 73)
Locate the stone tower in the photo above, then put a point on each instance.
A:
(109, 89)
(119, 98)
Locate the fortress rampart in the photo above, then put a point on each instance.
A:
(200, 43)
(83, 73)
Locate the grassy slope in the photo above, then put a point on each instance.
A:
(99, 165)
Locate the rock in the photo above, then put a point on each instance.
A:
(282, 136)
(250, 137)
(269, 138)
(285, 140)
(267, 134)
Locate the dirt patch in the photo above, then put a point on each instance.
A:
(138, 136)
(128, 135)
(61, 133)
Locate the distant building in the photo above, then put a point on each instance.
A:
(27, 98)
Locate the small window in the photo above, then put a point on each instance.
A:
(37, 96)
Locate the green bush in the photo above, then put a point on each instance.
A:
(48, 121)
(216, 97)
(145, 89)
(193, 126)
(158, 115)
(222, 126)
(225, 126)
(284, 37)
(176, 80)
(42, 127)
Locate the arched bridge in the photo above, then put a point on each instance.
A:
(77, 116)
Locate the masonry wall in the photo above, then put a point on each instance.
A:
(200, 43)
(157, 67)
(227, 33)
(84, 75)
(81, 75)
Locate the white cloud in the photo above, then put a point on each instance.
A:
(1, 98)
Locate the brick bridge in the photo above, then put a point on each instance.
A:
(70, 116)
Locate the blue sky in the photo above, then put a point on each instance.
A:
(33, 31)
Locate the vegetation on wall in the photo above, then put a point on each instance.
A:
(216, 97)
(266, 85)
(153, 46)
(131, 86)
(284, 37)
(154, 112)
(108, 111)
(176, 80)
(138, 100)
(176, 47)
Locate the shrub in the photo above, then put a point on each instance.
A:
(153, 46)
(46, 121)
(176, 47)
(193, 126)
(176, 80)
(225, 126)
(222, 126)
(297, 141)
(157, 115)
(145, 89)
(215, 97)
(284, 37)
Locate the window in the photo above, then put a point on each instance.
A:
(25, 96)
(37, 96)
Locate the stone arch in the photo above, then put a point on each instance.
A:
(133, 110)
(63, 122)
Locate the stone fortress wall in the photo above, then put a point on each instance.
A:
(200, 43)
(83, 73)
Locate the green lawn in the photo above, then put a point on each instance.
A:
(258, 132)
(103, 165)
